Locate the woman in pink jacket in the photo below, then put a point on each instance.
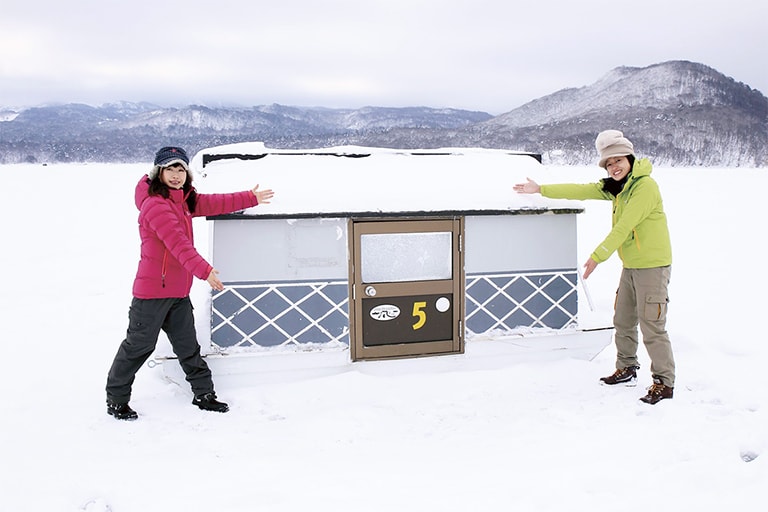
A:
(167, 201)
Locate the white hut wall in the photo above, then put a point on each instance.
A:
(287, 279)
(285, 283)
(520, 272)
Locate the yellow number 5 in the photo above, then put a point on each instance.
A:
(418, 313)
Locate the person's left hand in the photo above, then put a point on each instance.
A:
(589, 267)
(263, 196)
(214, 280)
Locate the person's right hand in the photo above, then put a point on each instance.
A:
(531, 187)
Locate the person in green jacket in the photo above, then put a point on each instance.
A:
(640, 235)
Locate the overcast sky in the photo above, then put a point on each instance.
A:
(489, 55)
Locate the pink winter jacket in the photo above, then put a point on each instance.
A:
(168, 255)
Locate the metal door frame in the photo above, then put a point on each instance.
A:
(456, 285)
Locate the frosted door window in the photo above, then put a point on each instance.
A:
(406, 257)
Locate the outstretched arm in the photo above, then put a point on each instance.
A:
(220, 204)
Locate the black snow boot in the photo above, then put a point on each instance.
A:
(121, 411)
(626, 376)
(208, 402)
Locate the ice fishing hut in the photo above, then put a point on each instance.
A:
(386, 253)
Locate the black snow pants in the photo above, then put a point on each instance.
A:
(145, 319)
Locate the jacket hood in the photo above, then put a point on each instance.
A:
(641, 168)
(142, 191)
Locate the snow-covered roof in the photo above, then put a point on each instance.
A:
(353, 180)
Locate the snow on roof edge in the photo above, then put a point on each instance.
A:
(257, 148)
(375, 179)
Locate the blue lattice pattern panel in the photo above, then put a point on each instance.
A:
(317, 313)
(533, 299)
(280, 314)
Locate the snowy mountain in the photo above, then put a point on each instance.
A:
(678, 113)
(131, 132)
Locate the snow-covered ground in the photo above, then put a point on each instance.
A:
(534, 433)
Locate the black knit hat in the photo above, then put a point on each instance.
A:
(169, 154)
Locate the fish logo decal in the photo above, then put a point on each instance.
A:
(384, 312)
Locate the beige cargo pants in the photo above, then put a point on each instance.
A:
(642, 300)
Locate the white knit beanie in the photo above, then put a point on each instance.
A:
(611, 143)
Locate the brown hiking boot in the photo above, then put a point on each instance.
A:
(626, 376)
(657, 392)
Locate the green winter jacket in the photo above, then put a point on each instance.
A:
(639, 228)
